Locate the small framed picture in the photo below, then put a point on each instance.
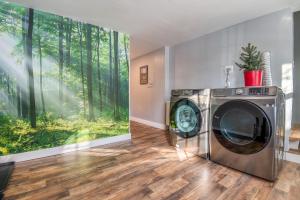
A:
(144, 75)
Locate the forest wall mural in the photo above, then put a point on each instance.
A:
(61, 81)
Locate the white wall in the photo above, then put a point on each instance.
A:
(147, 102)
(199, 63)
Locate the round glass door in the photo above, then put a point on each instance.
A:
(241, 127)
(185, 118)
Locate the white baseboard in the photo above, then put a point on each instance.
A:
(292, 157)
(63, 149)
(149, 123)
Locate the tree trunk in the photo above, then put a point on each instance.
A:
(8, 85)
(79, 27)
(89, 71)
(126, 53)
(98, 69)
(125, 96)
(29, 67)
(41, 68)
(19, 100)
(68, 42)
(24, 94)
(116, 76)
(60, 63)
(111, 88)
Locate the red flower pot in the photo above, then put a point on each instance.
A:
(253, 78)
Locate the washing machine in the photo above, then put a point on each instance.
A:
(247, 129)
(189, 116)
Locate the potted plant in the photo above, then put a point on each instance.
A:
(251, 65)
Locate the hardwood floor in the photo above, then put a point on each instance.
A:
(147, 168)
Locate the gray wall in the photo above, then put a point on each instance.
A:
(296, 111)
(199, 63)
(147, 102)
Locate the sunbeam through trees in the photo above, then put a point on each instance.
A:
(61, 81)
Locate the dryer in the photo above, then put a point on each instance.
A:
(189, 116)
(247, 129)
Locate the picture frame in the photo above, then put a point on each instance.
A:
(144, 75)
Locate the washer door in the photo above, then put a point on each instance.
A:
(185, 118)
(241, 127)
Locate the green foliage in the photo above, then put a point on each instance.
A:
(251, 58)
(59, 120)
(17, 136)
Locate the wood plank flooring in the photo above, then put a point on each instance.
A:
(146, 168)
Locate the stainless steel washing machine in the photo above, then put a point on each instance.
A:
(189, 116)
(247, 129)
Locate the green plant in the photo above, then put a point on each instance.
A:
(251, 58)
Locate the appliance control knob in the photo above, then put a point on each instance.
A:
(267, 105)
(239, 91)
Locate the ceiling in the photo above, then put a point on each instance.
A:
(156, 23)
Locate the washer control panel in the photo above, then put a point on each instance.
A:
(245, 91)
(258, 91)
(262, 91)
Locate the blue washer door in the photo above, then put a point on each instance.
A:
(185, 118)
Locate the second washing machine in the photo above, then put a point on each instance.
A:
(189, 116)
(247, 129)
